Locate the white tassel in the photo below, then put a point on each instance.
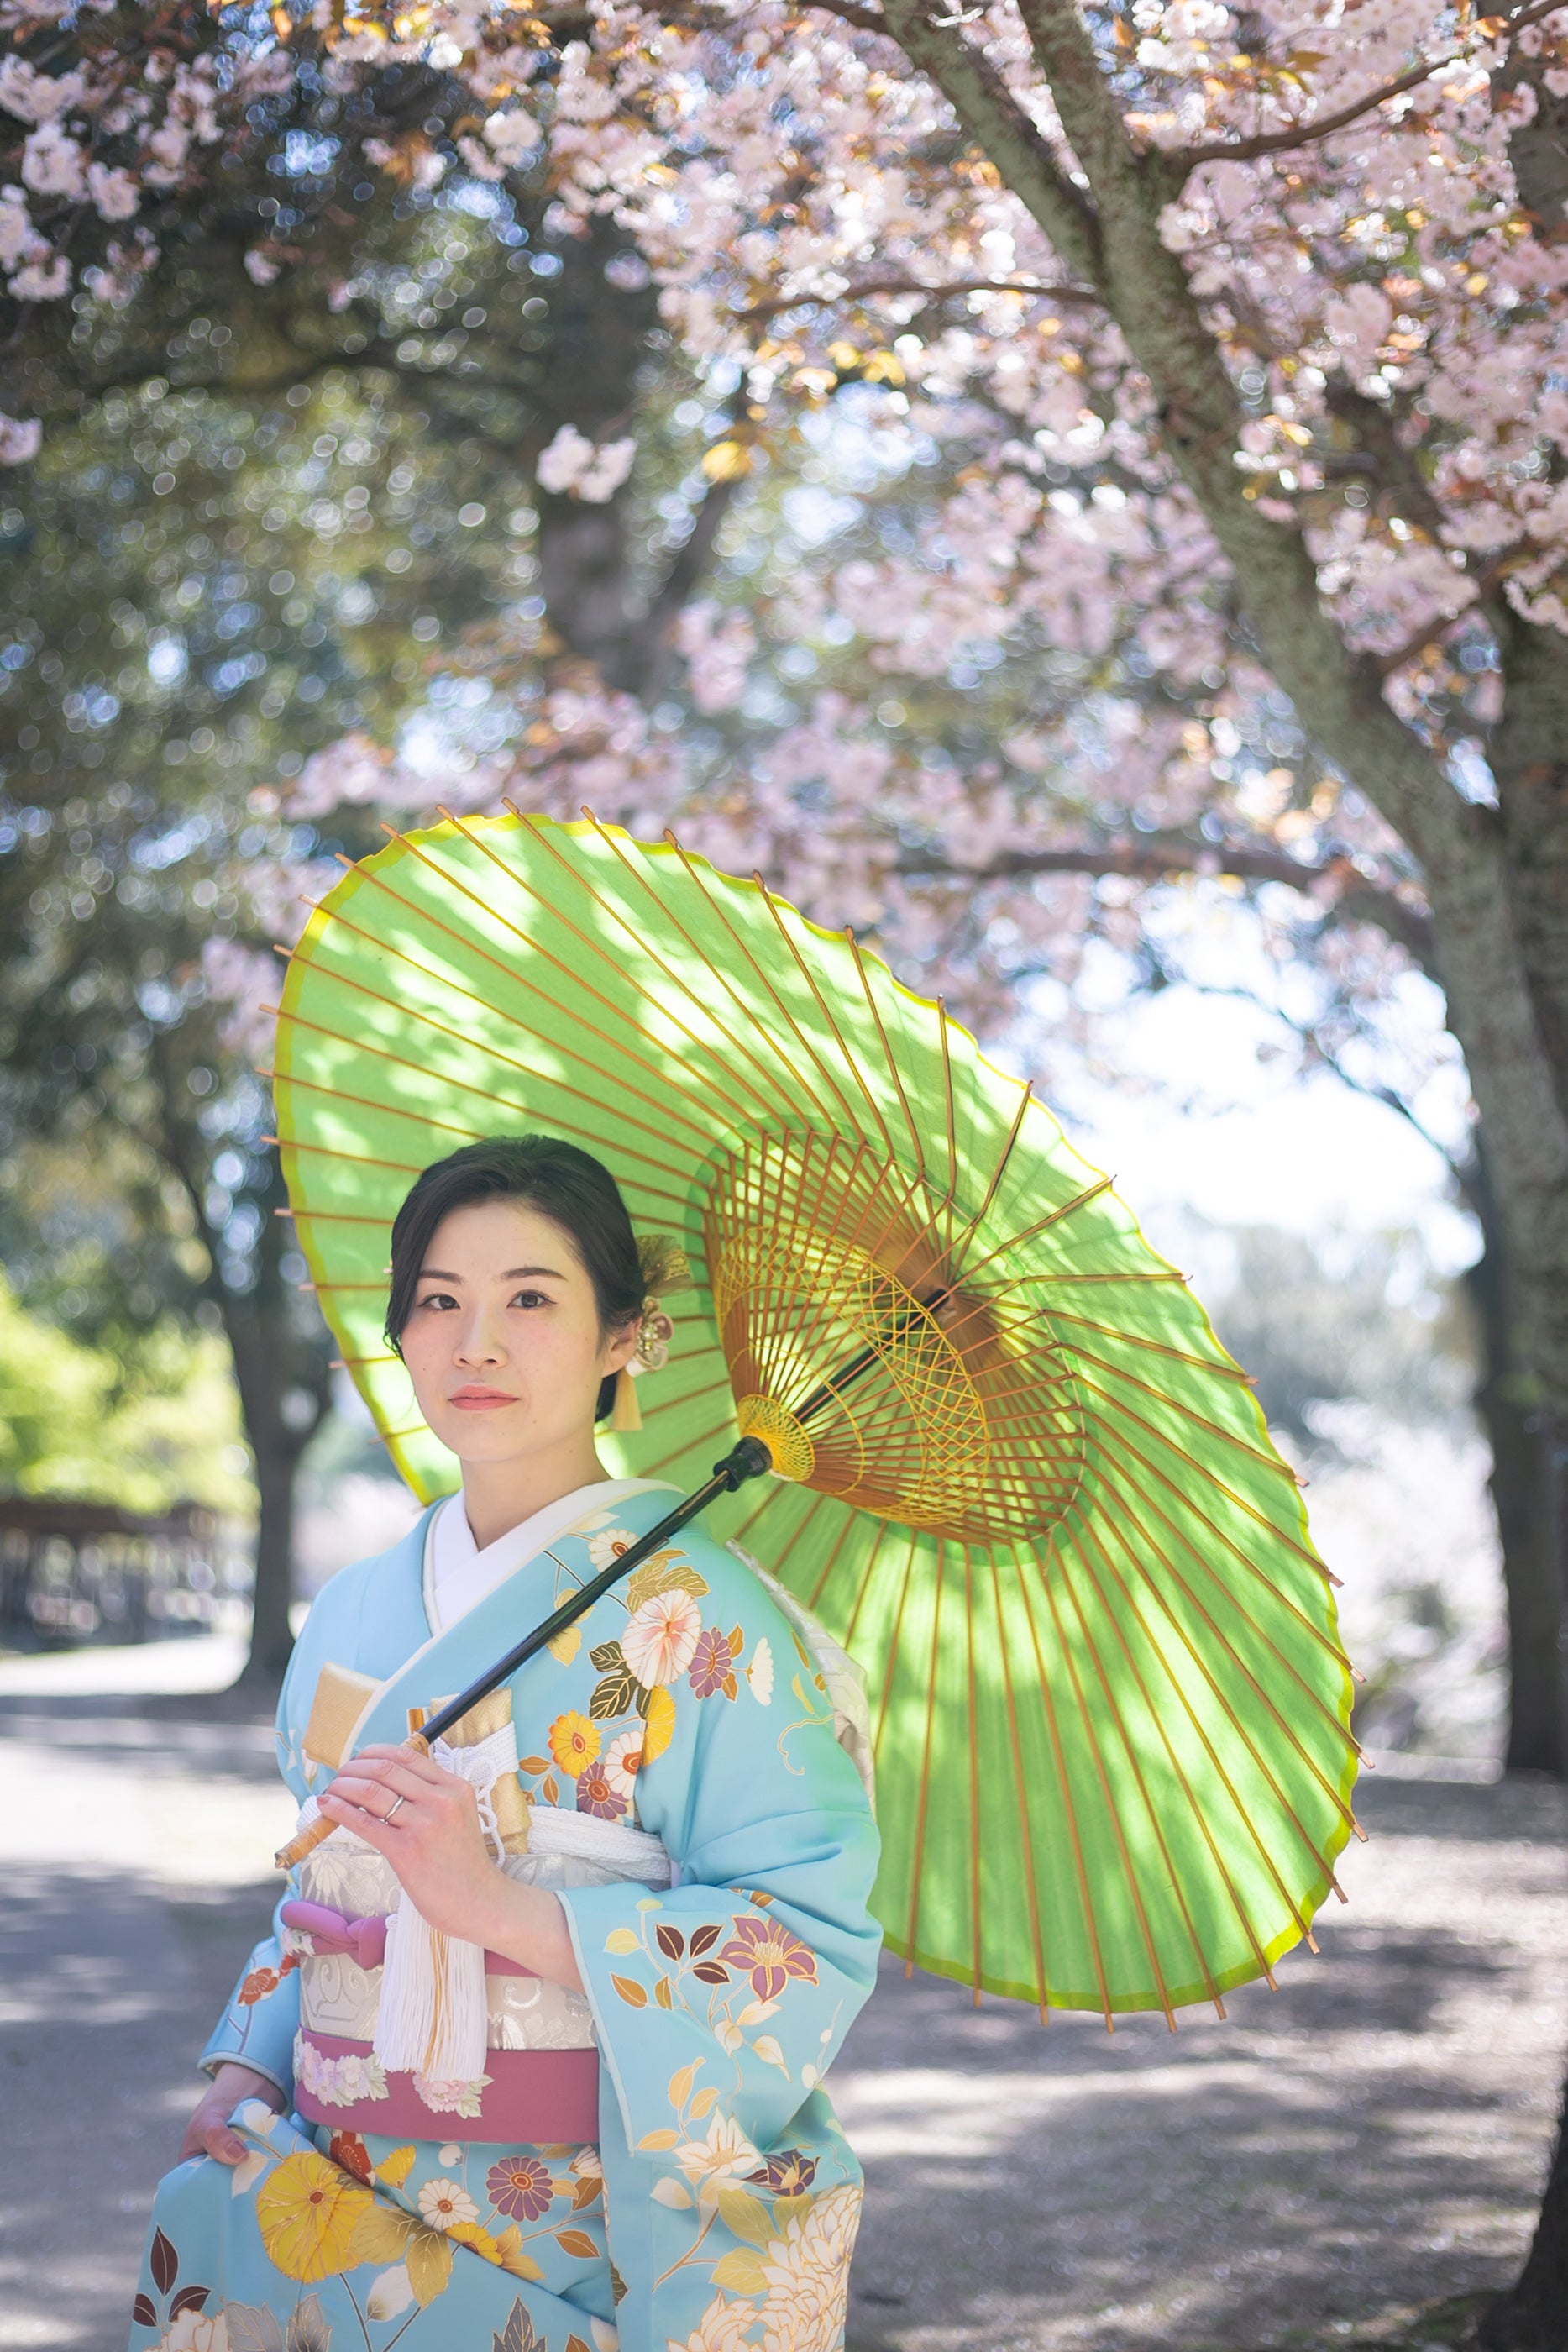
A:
(430, 2018)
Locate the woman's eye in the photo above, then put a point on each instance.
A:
(531, 1299)
(440, 1298)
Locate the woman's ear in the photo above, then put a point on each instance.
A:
(622, 1345)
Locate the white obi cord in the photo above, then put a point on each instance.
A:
(431, 2015)
(431, 2019)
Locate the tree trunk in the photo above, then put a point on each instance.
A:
(271, 1636)
(1508, 1401)
(1532, 2316)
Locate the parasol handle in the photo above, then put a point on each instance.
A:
(307, 1841)
(749, 1459)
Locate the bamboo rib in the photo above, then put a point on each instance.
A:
(363, 1102)
(912, 1938)
(616, 1043)
(1115, 1434)
(761, 1094)
(1086, 1900)
(974, 1778)
(1130, 1748)
(889, 1058)
(1108, 1797)
(1020, 1783)
(1243, 1812)
(1156, 1717)
(891, 1674)
(365, 1045)
(666, 914)
(850, 1060)
(765, 982)
(452, 988)
(1244, 1672)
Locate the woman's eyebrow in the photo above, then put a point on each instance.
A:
(513, 1274)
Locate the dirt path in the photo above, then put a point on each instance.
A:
(1339, 2157)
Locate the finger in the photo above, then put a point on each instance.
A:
(366, 1825)
(222, 2144)
(377, 1797)
(409, 1759)
(392, 1774)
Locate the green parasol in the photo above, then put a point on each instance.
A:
(1110, 1707)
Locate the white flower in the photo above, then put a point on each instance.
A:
(37, 284)
(443, 2202)
(573, 463)
(587, 2164)
(614, 1541)
(19, 240)
(721, 2328)
(480, 161)
(807, 2274)
(195, 2331)
(759, 1672)
(622, 1762)
(114, 194)
(258, 268)
(339, 2082)
(53, 164)
(33, 96)
(725, 2152)
(661, 1637)
(512, 135)
(20, 440)
(390, 2294)
(450, 2098)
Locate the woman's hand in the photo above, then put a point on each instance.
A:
(208, 2132)
(425, 1821)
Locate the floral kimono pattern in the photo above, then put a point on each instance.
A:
(717, 2210)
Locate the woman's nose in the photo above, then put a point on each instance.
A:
(479, 1344)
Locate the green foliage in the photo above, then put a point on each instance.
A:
(82, 1421)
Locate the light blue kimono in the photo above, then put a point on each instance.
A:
(718, 2212)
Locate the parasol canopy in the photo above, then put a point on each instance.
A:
(1110, 1706)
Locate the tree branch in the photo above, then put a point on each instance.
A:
(1160, 857)
(868, 286)
(1300, 135)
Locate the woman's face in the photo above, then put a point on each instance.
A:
(503, 1345)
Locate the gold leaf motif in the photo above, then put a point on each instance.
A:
(740, 2271)
(622, 1940)
(743, 2214)
(509, 2246)
(429, 2261)
(578, 2244)
(703, 2103)
(662, 1993)
(667, 1572)
(566, 1644)
(395, 2168)
(658, 2139)
(681, 2082)
(631, 1992)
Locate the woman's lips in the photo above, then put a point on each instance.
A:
(481, 1399)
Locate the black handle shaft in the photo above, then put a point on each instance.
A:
(747, 1460)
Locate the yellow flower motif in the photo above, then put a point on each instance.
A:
(574, 1743)
(478, 2239)
(306, 2211)
(659, 1725)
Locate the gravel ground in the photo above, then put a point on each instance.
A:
(1352, 2158)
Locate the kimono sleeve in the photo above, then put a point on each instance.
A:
(720, 2004)
(259, 2024)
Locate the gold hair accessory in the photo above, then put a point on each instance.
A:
(664, 1268)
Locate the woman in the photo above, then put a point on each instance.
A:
(552, 2009)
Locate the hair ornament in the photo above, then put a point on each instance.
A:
(664, 1268)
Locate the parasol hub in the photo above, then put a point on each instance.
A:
(763, 1417)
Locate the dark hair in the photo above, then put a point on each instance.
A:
(566, 1184)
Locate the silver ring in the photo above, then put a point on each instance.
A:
(392, 1808)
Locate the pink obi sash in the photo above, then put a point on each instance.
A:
(365, 1940)
(537, 2098)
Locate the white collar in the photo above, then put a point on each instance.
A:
(458, 1575)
